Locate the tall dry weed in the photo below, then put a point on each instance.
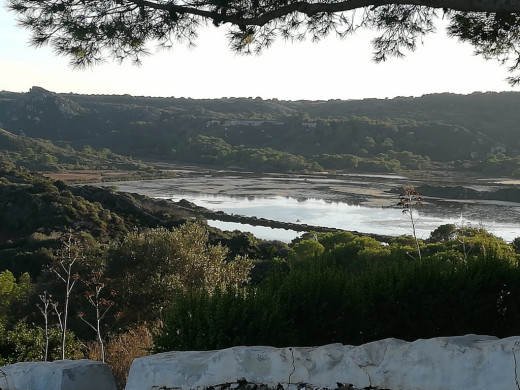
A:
(121, 350)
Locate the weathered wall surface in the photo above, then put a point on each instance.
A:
(451, 363)
(57, 375)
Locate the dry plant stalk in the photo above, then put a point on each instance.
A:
(122, 349)
(410, 199)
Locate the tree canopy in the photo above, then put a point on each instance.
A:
(91, 31)
(156, 263)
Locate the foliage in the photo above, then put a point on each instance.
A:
(215, 151)
(323, 287)
(87, 32)
(150, 266)
(443, 233)
(305, 250)
(516, 245)
(499, 163)
(12, 292)
(121, 349)
(319, 304)
(342, 249)
(200, 321)
(26, 343)
(479, 242)
(331, 240)
(494, 36)
(37, 211)
(471, 133)
(44, 155)
(36, 203)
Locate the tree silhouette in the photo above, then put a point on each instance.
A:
(89, 31)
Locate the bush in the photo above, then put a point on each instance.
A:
(121, 350)
(27, 344)
(199, 321)
(317, 304)
(148, 268)
(297, 309)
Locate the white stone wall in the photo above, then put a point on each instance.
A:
(468, 362)
(58, 375)
(453, 363)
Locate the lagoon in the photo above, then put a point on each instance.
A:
(359, 203)
(317, 212)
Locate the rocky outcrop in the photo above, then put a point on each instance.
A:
(39, 103)
(58, 375)
(464, 362)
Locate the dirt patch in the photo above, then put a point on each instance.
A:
(74, 175)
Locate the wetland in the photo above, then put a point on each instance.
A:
(364, 203)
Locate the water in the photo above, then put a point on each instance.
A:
(263, 232)
(359, 203)
(318, 212)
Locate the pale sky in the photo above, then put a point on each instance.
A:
(331, 69)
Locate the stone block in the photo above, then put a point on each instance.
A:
(58, 375)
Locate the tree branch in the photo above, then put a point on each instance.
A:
(90, 31)
(310, 8)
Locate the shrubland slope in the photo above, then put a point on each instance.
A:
(476, 132)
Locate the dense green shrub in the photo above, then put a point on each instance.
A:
(201, 321)
(319, 303)
(26, 343)
(316, 304)
(12, 292)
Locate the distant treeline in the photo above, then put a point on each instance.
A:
(476, 132)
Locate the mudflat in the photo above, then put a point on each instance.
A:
(371, 190)
(368, 190)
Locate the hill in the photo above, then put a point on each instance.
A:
(476, 132)
(44, 155)
(37, 210)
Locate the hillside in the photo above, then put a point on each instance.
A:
(36, 211)
(44, 155)
(153, 254)
(476, 132)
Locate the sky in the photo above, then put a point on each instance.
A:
(331, 69)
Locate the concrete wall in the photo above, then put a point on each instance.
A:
(468, 362)
(451, 363)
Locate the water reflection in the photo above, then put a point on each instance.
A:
(262, 232)
(351, 202)
(379, 220)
